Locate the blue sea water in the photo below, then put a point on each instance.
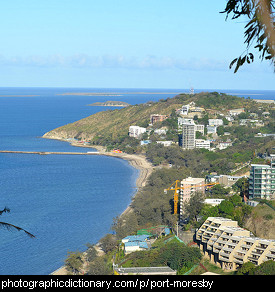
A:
(66, 201)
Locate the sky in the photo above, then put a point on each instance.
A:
(124, 44)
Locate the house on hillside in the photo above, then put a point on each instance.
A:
(135, 243)
(136, 131)
(157, 118)
(236, 112)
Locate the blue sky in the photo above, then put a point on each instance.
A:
(124, 44)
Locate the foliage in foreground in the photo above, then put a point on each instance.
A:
(266, 268)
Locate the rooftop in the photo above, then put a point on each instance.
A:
(141, 237)
(141, 244)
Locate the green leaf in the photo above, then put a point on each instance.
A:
(232, 63)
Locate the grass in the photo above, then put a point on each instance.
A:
(210, 268)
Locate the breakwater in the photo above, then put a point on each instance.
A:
(48, 152)
(137, 161)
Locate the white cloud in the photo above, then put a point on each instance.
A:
(149, 62)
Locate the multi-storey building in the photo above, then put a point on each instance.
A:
(262, 180)
(189, 186)
(230, 246)
(223, 179)
(136, 131)
(157, 118)
(200, 143)
(188, 135)
(198, 128)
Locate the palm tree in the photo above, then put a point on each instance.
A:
(9, 226)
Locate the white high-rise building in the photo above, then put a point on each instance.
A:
(262, 180)
(188, 135)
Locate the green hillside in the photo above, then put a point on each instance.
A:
(111, 127)
(113, 123)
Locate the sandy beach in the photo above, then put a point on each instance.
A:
(137, 161)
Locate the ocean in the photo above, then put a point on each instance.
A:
(65, 201)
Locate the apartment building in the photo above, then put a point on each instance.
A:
(188, 135)
(198, 128)
(200, 143)
(262, 180)
(230, 246)
(223, 179)
(189, 186)
(157, 118)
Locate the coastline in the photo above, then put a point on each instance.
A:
(139, 162)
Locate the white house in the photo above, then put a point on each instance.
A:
(224, 145)
(165, 143)
(135, 242)
(136, 131)
(215, 122)
(213, 202)
(161, 131)
(200, 143)
(184, 110)
(236, 112)
(211, 129)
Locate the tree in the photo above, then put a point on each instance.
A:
(226, 207)
(108, 242)
(236, 200)
(74, 262)
(91, 252)
(99, 267)
(220, 130)
(266, 268)
(241, 185)
(246, 269)
(9, 226)
(259, 29)
(194, 206)
(219, 191)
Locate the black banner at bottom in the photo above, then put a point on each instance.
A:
(137, 283)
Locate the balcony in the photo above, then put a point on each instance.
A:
(270, 255)
(238, 261)
(217, 248)
(239, 255)
(257, 252)
(254, 258)
(224, 258)
(262, 247)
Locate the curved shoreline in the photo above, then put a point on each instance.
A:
(139, 162)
